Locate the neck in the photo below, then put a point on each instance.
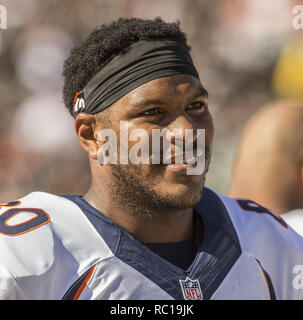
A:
(152, 225)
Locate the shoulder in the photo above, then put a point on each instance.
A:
(265, 235)
(295, 220)
(45, 238)
(257, 228)
(35, 214)
(251, 219)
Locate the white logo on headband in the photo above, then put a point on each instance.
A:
(79, 104)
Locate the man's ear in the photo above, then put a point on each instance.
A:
(86, 129)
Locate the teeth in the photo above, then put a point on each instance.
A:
(191, 161)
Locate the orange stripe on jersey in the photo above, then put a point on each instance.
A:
(84, 283)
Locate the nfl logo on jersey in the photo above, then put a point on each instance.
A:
(191, 289)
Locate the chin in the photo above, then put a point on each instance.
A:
(145, 192)
(181, 196)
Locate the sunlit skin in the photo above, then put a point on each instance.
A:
(152, 201)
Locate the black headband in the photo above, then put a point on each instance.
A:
(144, 61)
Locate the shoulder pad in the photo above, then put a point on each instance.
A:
(268, 237)
(44, 239)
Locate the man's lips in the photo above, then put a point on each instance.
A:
(180, 159)
(180, 167)
(171, 165)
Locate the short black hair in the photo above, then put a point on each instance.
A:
(105, 42)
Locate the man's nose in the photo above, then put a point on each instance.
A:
(179, 129)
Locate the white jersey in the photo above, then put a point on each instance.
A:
(294, 218)
(59, 247)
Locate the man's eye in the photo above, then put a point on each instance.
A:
(197, 105)
(151, 112)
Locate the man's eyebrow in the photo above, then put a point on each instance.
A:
(201, 93)
(158, 102)
(147, 102)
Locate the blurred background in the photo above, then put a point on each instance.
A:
(246, 51)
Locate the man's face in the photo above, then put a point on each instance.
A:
(174, 102)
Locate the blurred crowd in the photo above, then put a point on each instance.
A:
(246, 51)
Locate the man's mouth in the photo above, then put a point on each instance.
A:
(178, 166)
(180, 159)
(193, 164)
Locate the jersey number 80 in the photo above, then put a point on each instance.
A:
(32, 218)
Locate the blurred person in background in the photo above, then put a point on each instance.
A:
(268, 166)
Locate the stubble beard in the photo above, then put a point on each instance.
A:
(136, 194)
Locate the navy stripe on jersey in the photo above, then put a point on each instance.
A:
(270, 286)
(271, 289)
(217, 254)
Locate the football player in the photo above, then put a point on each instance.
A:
(142, 230)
